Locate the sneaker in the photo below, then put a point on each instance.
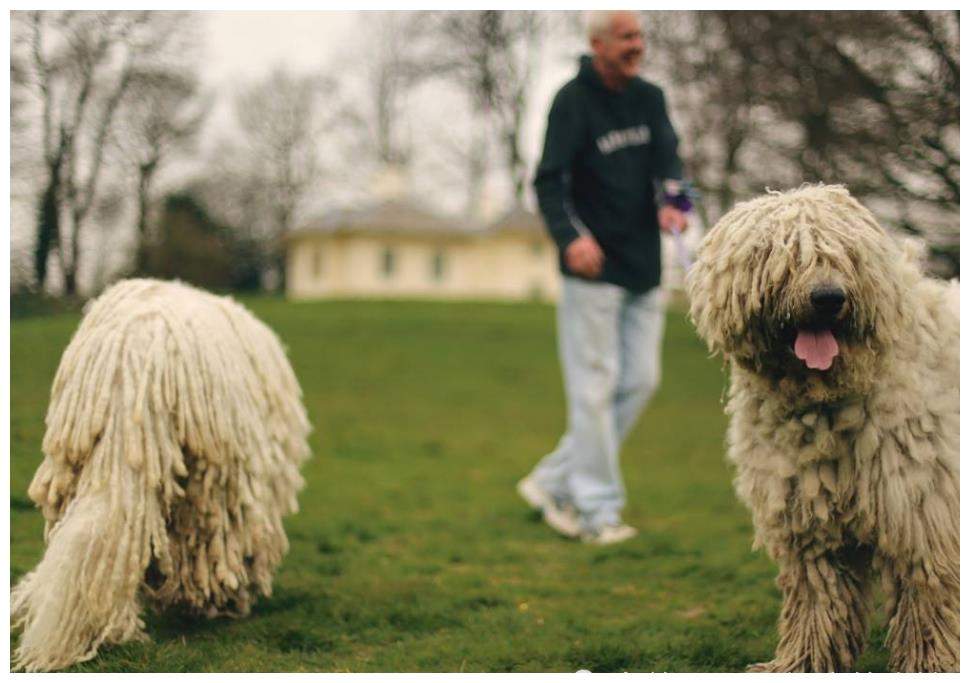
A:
(561, 517)
(533, 494)
(609, 534)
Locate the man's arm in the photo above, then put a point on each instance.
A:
(563, 140)
(664, 142)
(668, 169)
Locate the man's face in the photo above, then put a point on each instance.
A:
(620, 49)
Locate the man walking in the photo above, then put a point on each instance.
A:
(609, 145)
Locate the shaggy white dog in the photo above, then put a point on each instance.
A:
(844, 406)
(174, 437)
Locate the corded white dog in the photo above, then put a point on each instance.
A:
(174, 438)
(844, 407)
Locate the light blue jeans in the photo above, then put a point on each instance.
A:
(609, 349)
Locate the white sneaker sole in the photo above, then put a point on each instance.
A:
(535, 497)
(610, 537)
(561, 521)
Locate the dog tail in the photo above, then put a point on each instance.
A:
(108, 463)
(83, 592)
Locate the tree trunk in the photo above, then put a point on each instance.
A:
(70, 282)
(477, 167)
(70, 264)
(146, 173)
(515, 164)
(280, 261)
(48, 225)
(278, 257)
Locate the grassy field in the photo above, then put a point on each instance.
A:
(411, 550)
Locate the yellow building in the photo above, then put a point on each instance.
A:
(396, 248)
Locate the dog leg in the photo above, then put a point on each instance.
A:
(824, 615)
(919, 555)
(924, 622)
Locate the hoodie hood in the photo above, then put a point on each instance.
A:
(589, 75)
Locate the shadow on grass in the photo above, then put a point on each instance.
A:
(20, 503)
(284, 600)
(603, 657)
(301, 640)
(174, 625)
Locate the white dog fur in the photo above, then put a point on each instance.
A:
(844, 422)
(175, 433)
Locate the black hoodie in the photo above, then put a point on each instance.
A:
(604, 151)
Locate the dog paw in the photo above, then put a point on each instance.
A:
(773, 667)
(925, 665)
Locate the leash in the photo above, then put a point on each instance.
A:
(680, 195)
(683, 255)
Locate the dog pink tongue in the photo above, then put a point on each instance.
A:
(817, 349)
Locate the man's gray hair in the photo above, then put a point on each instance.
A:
(598, 22)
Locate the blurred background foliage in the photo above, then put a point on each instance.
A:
(123, 162)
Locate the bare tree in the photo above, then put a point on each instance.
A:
(872, 100)
(375, 110)
(231, 190)
(282, 119)
(708, 89)
(493, 56)
(393, 67)
(19, 85)
(80, 65)
(868, 99)
(161, 117)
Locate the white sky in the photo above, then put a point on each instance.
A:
(245, 45)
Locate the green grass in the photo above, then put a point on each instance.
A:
(411, 550)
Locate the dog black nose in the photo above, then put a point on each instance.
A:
(828, 300)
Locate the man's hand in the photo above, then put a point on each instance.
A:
(671, 220)
(584, 257)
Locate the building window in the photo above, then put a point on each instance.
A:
(317, 261)
(438, 265)
(387, 262)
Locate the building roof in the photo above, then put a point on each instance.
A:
(404, 216)
(518, 220)
(400, 216)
